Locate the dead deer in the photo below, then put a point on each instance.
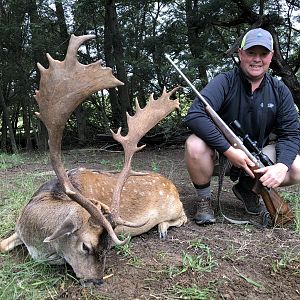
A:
(75, 217)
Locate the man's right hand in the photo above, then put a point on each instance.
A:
(240, 160)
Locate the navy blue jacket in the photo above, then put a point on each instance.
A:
(230, 95)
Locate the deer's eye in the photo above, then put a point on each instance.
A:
(86, 249)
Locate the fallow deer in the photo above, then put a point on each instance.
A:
(75, 217)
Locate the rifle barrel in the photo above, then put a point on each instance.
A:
(229, 134)
(187, 80)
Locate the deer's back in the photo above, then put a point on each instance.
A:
(150, 197)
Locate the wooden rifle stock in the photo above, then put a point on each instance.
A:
(278, 209)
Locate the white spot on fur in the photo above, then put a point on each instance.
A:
(161, 193)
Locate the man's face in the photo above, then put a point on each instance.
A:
(255, 61)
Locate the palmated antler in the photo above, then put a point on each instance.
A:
(66, 84)
(63, 86)
(138, 125)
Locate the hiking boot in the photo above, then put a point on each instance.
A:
(205, 213)
(243, 191)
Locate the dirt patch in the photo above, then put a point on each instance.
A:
(223, 260)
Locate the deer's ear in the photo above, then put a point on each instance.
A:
(69, 226)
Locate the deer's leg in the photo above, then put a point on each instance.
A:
(163, 226)
(10, 243)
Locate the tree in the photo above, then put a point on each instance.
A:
(131, 37)
(114, 55)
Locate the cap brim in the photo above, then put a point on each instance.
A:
(256, 44)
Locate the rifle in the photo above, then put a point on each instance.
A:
(278, 209)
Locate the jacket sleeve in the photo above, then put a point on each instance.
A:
(287, 128)
(198, 121)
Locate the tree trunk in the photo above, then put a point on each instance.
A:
(63, 29)
(81, 125)
(26, 122)
(7, 122)
(109, 60)
(39, 56)
(194, 38)
(114, 55)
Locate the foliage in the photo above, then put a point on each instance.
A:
(204, 45)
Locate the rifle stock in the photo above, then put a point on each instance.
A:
(278, 209)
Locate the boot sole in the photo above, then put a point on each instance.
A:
(206, 222)
(239, 196)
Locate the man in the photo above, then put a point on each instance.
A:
(263, 105)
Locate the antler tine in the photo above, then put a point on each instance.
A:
(138, 125)
(75, 43)
(63, 86)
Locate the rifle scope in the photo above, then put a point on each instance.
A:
(249, 143)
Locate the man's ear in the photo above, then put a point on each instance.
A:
(240, 53)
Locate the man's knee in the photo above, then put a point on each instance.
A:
(293, 175)
(194, 146)
(270, 151)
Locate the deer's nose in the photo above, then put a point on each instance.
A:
(91, 282)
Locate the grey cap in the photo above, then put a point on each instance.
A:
(257, 37)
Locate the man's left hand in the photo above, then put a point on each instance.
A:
(272, 176)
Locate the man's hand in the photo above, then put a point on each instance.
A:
(272, 176)
(240, 160)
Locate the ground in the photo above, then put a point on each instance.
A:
(220, 261)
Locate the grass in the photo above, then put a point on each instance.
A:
(21, 277)
(127, 252)
(28, 279)
(287, 258)
(187, 276)
(294, 200)
(14, 194)
(231, 253)
(194, 292)
(8, 161)
(199, 261)
(124, 250)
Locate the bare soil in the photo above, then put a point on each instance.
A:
(238, 261)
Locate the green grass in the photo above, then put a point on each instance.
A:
(194, 292)
(30, 279)
(287, 258)
(21, 277)
(8, 161)
(124, 250)
(199, 261)
(14, 194)
(231, 253)
(127, 252)
(294, 200)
